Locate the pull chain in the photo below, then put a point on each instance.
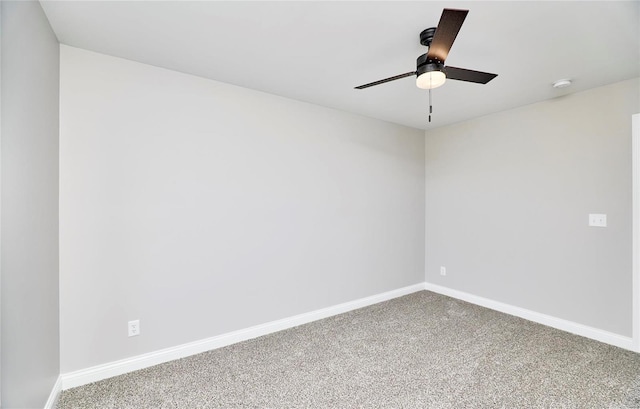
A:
(430, 106)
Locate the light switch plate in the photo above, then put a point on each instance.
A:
(597, 220)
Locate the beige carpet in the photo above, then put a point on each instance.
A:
(420, 351)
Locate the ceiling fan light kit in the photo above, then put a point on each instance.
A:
(431, 79)
(430, 73)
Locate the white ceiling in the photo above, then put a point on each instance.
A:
(318, 51)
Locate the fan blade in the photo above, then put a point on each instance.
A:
(446, 32)
(462, 74)
(397, 77)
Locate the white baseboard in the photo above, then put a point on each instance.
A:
(635, 260)
(54, 395)
(108, 370)
(558, 323)
(99, 372)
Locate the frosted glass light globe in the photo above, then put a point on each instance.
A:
(430, 79)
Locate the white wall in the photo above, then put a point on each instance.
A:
(201, 208)
(29, 202)
(507, 203)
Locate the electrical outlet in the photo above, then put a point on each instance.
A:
(134, 328)
(443, 271)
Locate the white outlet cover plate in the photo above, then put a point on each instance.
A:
(597, 220)
(134, 328)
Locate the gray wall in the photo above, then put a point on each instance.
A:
(29, 194)
(507, 203)
(201, 208)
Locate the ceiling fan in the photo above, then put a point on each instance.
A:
(430, 69)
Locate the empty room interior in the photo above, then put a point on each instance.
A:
(319, 204)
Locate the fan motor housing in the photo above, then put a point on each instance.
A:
(425, 64)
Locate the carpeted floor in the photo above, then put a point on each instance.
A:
(423, 350)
